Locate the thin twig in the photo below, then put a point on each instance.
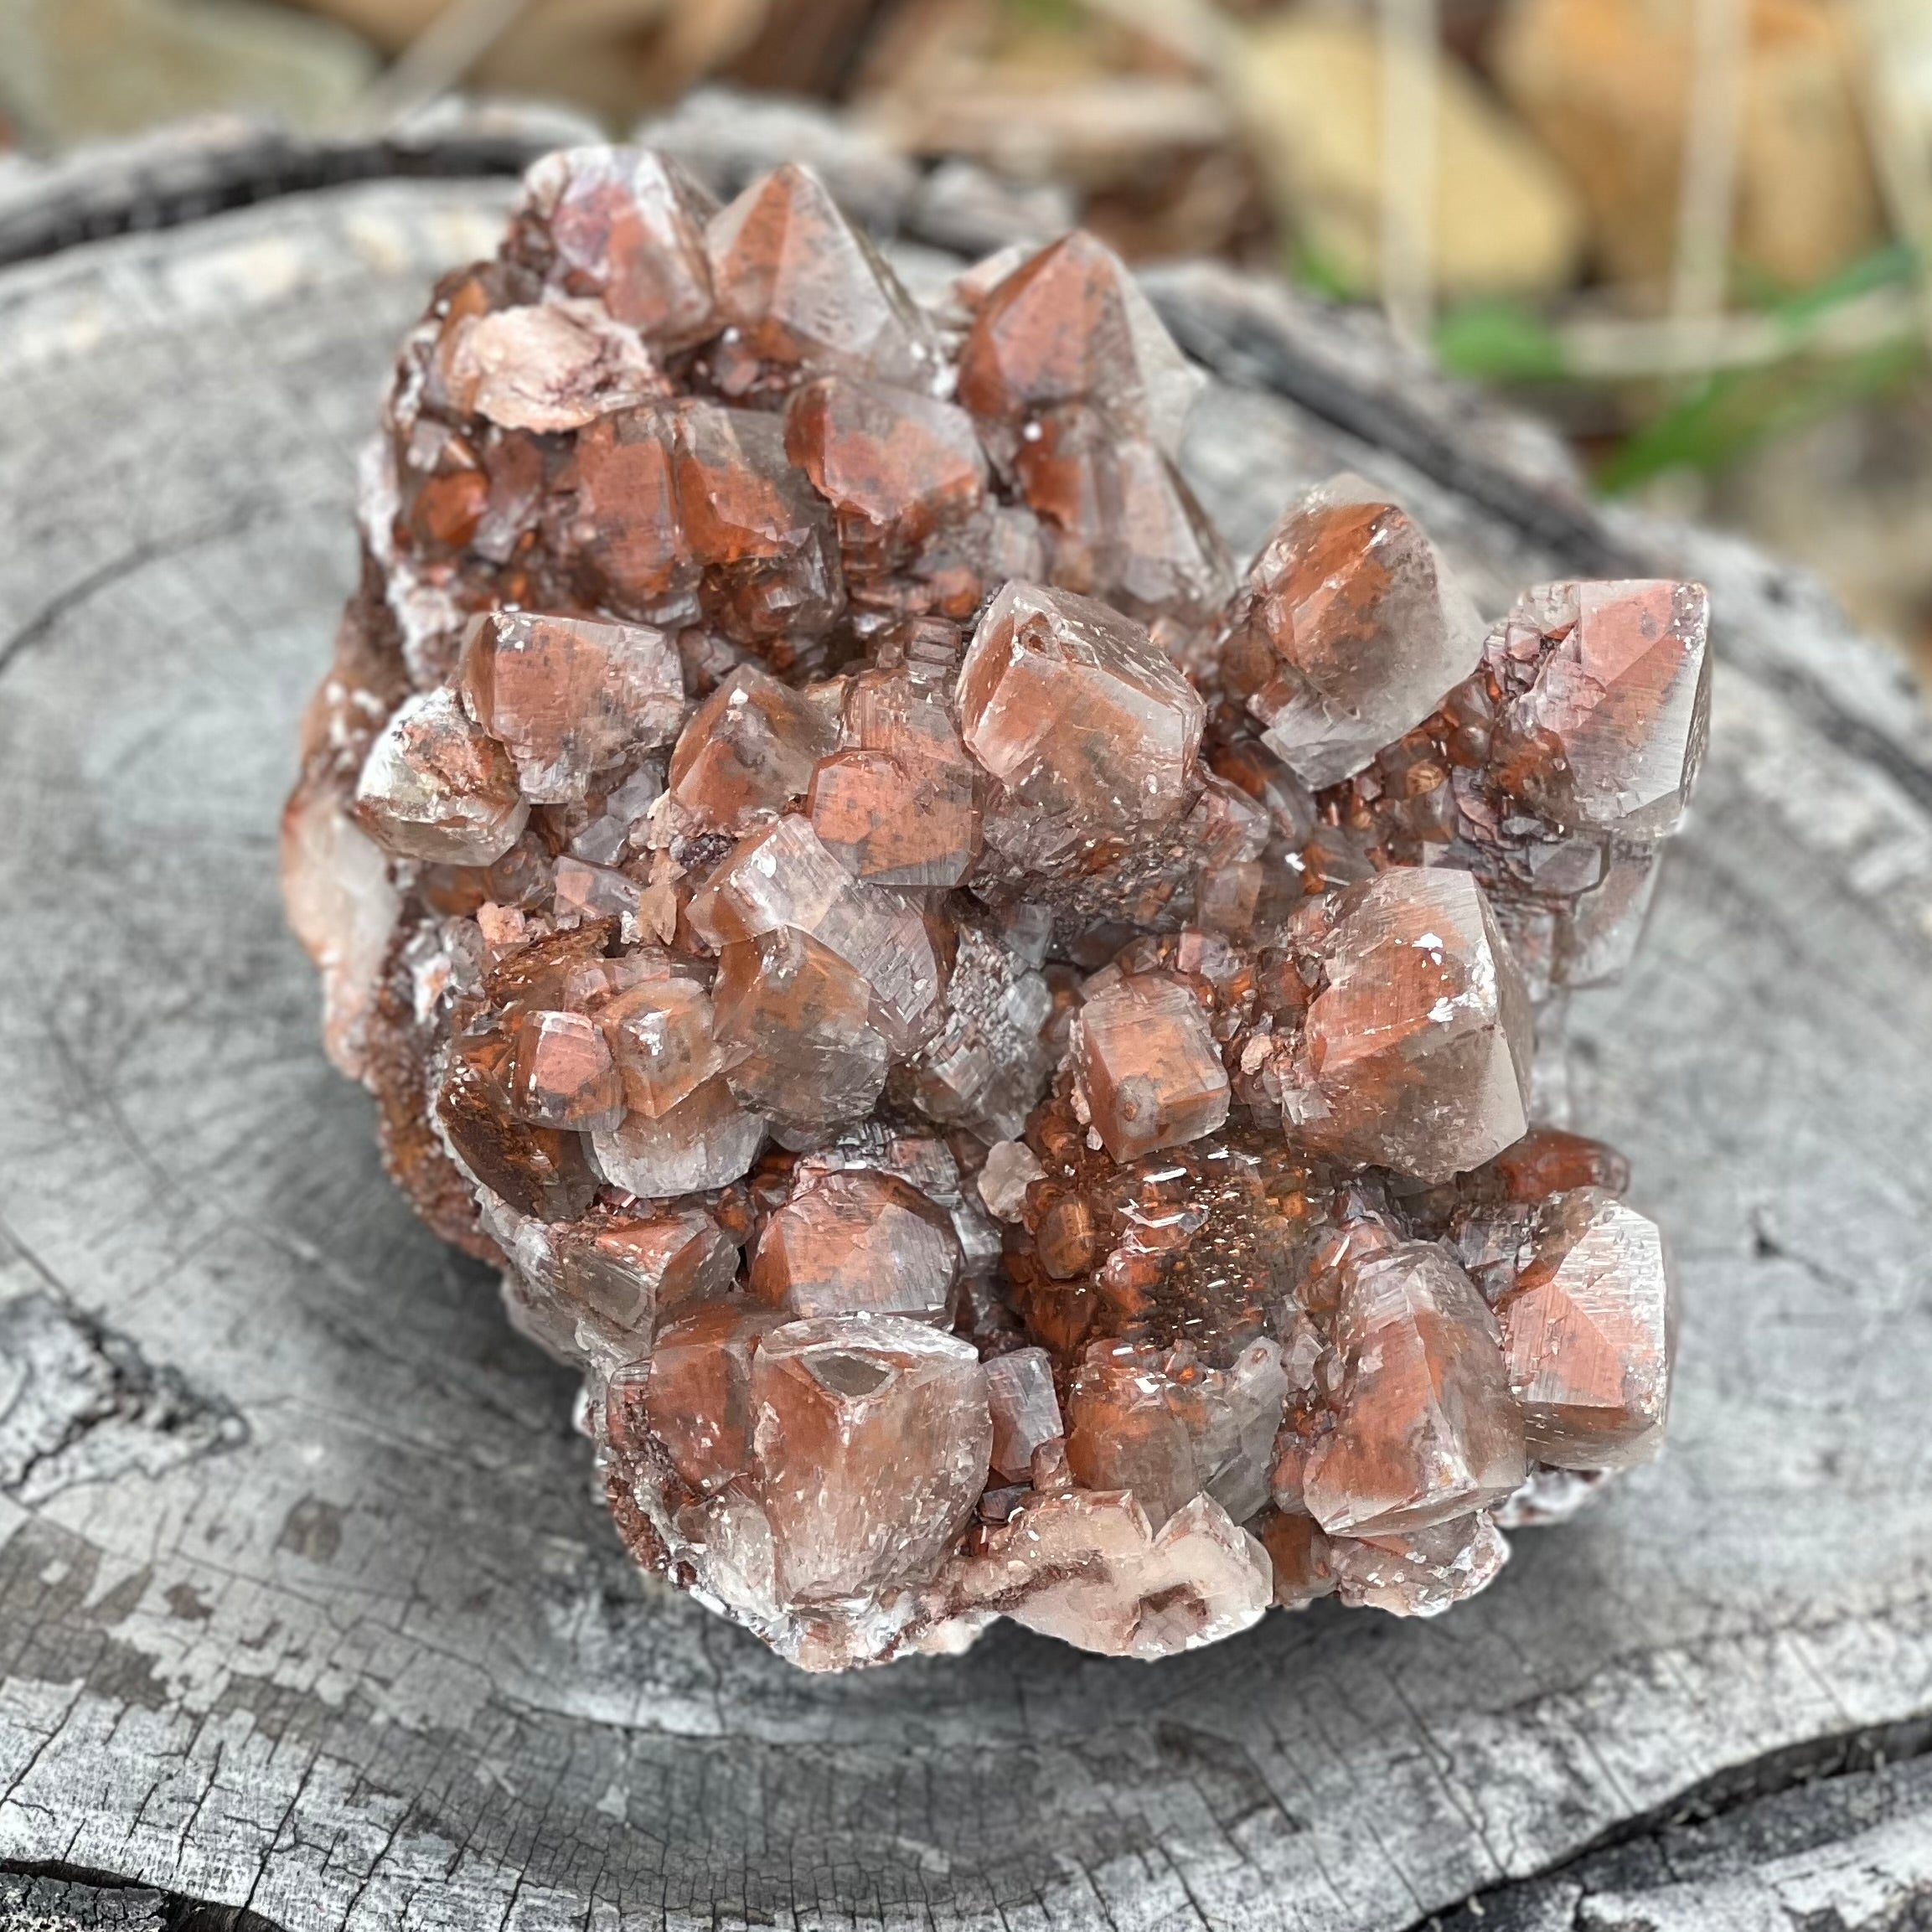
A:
(1619, 350)
(1898, 144)
(1410, 41)
(1194, 29)
(438, 60)
(1707, 191)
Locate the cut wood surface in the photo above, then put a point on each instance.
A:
(306, 1606)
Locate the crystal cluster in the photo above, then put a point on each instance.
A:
(1005, 1053)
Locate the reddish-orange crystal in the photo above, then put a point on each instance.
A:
(1148, 1066)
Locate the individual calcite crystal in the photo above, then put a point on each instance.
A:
(1068, 325)
(556, 366)
(750, 749)
(1147, 1065)
(1120, 524)
(768, 560)
(1025, 1410)
(568, 699)
(872, 1442)
(799, 287)
(1425, 1428)
(625, 227)
(1347, 631)
(707, 1140)
(435, 786)
(858, 1241)
(1588, 1328)
(1007, 1059)
(906, 477)
(1418, 1572)
(1167, 1427)
(1088, 730)
(662, 1034)
(1418, 1043)
(794, 1021)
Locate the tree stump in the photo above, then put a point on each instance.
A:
(309, 1615)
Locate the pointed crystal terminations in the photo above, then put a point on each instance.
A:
(1347, 631)
(1003, 1055)
(1552, 771)
(1624, 691)
(1070, 325)
(798, 286)
(1589, 1327)
(624, 226)
(1428, 1428)
(1420, 1041)
(1084, 723)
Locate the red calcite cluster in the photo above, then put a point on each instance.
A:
(1005, 1053)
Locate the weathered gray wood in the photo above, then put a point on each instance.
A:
(305, 1603)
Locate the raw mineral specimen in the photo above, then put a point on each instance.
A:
(1004, 1054)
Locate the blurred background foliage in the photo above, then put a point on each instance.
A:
(1697, 234)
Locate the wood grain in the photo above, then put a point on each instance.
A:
(306, 1606)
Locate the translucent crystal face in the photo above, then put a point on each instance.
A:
(1149, 1065)
(621, 538)
(435, 786)
(1083, 722)
(1348, 632)
(894, 466)
(1626, 694)
(1588, 1331)
(1025, 1408)
(569, 698)
(1069, 325)
(872, 1439)
(749, 750)
(1426, 1431)
(625, 227)
(1420, 1041)
(1002, 1055)
(856, 1242)
(798, 286)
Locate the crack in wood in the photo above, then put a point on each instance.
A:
(36, 1896)
(1743, 1831)
(137, 557)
